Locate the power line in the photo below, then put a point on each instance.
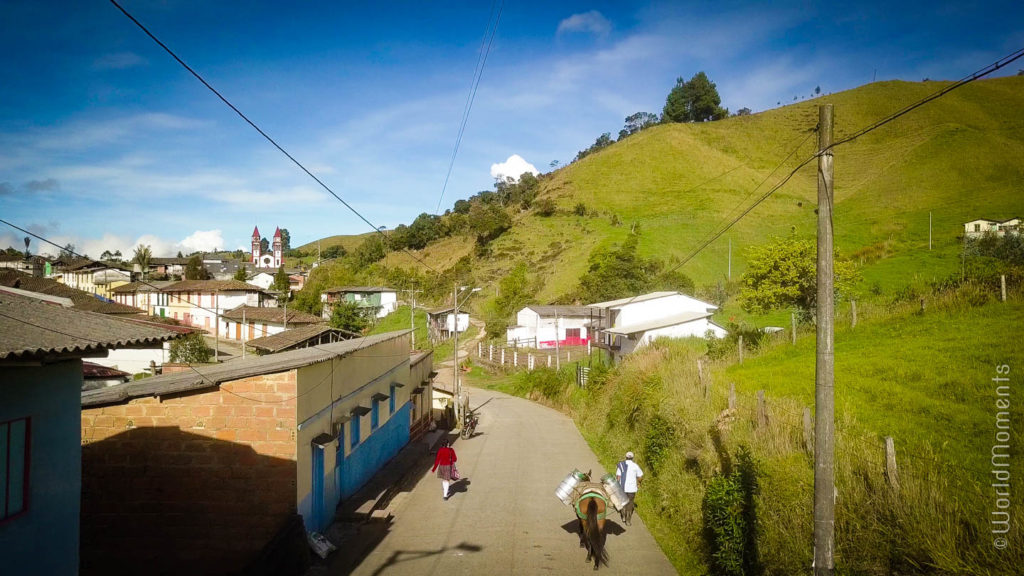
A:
(262, 133)
(478, 73)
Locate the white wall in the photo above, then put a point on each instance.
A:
(638, 312)
(463, 321)
(697, 328)
(135, 360)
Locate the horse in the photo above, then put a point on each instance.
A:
(590, 510)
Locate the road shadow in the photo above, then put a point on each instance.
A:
(459, 486)
(399, 556)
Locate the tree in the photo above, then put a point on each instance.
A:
(488, 222)
(695, 100)
(264, 245)
(639, 121)
(180, 255)
(68, 252)
(514, 291)
(281, 281)
(371, 250)
(142, 256)
(784, 274)
(286, 240)
(242, 274)
(349, 316)
(195, 270)
(107, 255)
(817, 90)
(190, 349)
(743, 112)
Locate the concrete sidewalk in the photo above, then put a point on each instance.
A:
(503, 517)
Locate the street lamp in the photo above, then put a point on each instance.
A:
(459, 413)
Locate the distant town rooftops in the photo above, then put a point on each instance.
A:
(31, 329)
(82, 300)
(211, 285)
(252, 313)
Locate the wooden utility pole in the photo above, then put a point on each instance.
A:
(824, 420)
(456, 391)
(216, 325)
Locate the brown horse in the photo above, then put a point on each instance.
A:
(591, 509)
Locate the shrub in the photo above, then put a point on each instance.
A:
(190, 349)
(545, 207)
(580, 209)
(724, 523)
(658, 442)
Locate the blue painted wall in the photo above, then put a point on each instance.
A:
(44, 540)
(351, 473)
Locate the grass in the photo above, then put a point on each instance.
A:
(924, 379)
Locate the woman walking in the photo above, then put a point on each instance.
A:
(444, 463)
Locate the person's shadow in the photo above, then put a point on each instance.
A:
(458, 486)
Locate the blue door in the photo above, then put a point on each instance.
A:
(318, 487)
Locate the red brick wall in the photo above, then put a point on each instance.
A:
(189, 484)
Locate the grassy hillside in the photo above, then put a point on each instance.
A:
(924, 379)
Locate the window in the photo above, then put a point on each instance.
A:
(354, 423)
(14, 459)
(977, 227)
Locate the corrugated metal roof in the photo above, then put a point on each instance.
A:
(640, 298)
(659, 323)
(565, 311)
(35, 330)
(206, 376)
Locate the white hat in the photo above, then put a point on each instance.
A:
(629, 455)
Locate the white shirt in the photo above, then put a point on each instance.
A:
(628, 481)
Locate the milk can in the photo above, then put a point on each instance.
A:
(566, 489)
(615, 492)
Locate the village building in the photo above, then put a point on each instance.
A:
(168, 267)
(376, 301)
(93, 277)
(207, 467)
(146, 296)
(980, 227)
(41, 376)
(626, 324)
(442, 323)
(197, 303)
(551, 326)
(249, 322)
(81, 300)
(261, 259)
(33, 265)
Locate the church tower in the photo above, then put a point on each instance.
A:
(256, 246)
(277, 248)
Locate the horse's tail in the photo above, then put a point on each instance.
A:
(594, 534)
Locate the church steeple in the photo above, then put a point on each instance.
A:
(256, 245)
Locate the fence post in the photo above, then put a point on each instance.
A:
(529, 361)
(739, 345)
(480, 349)
(732, 395)
(588, 346)
(922, 304)
(853, 313)
(568, 356)
(808, 431)
(792, 319)
(549, 360)
(490, 352)
(1002, 282)
(515, 358)
(762, 411)
(891, 473)
(502, 356)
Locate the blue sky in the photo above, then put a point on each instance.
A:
(106, 142)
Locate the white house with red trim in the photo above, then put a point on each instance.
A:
(547, 326)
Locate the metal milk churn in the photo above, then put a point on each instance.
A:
(566, 489)
(615, 492)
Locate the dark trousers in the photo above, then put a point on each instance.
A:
(627, 510)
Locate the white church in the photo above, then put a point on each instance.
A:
(267, 260)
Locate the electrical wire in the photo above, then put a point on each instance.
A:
(471, 97)
(266, 136)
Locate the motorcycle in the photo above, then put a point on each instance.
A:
(469, 425)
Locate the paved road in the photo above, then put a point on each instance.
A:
(504, 518)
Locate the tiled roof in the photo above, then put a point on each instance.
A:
(271, 315)
(34, 330)
(91, 370)
(210, 286)
(293, 337)
(200, 377)
(82, 299)
(167, 261)
(150, 286)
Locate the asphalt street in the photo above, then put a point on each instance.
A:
(503, 516)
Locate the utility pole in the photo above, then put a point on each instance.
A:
(456, 384)
(824, 420)
(730, 259)
(216, 326)
(558, 355)
(412, 315)
(244, 331)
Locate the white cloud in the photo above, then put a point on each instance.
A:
(513, 168)
(592, 22)
(203, 240)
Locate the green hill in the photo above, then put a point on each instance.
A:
(958, 158)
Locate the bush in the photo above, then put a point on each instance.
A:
(545, 207)
(580, 209)
(730, 519)
(190, 349)
(658, 442)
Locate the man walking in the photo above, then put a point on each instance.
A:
(629, 475)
